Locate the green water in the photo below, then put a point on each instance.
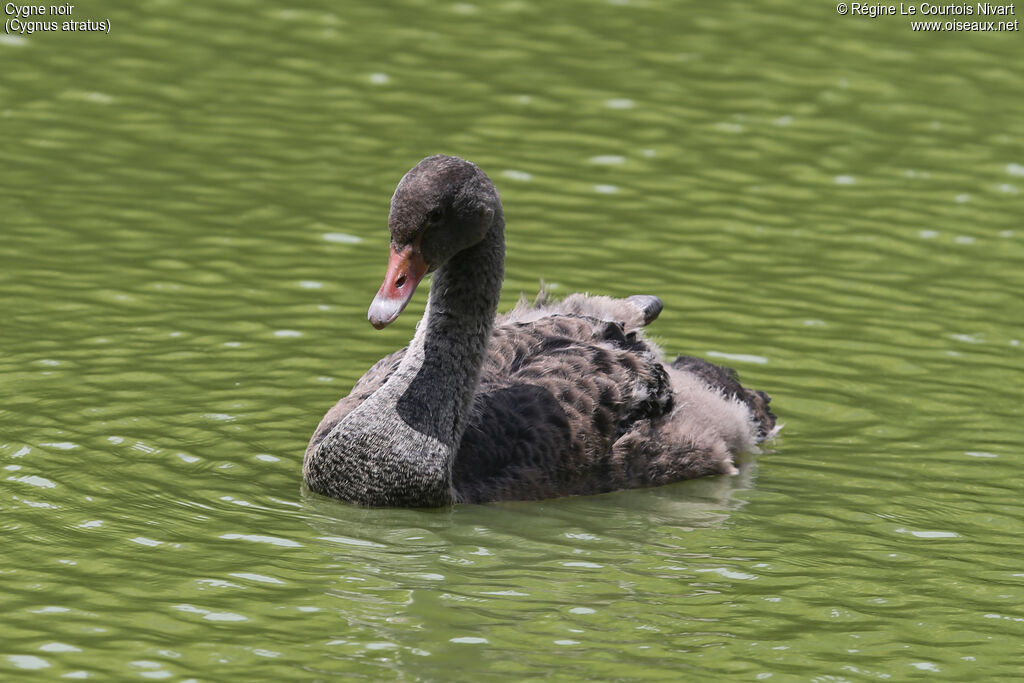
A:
(192, 214)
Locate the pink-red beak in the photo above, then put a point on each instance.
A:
(406, 267)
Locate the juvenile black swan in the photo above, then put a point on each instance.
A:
(551, 399)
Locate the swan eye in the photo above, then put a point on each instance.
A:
(435, 216)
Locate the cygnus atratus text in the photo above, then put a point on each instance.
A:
(551, 399)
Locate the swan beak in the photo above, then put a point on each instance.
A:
(406, 267)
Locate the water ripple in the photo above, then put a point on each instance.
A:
(195, 221)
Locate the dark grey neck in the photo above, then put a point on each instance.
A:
(396, 448)
(442, 367)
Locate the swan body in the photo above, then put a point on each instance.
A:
(550, 399)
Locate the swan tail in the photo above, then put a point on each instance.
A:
(726, 382)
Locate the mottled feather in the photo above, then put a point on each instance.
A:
(573, 399)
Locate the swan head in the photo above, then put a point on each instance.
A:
(442, 206)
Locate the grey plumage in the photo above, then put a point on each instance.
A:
(549, 399)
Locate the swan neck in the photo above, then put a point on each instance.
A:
(451, 341)
(397, 447)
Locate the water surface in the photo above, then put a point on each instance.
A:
(193, 212)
